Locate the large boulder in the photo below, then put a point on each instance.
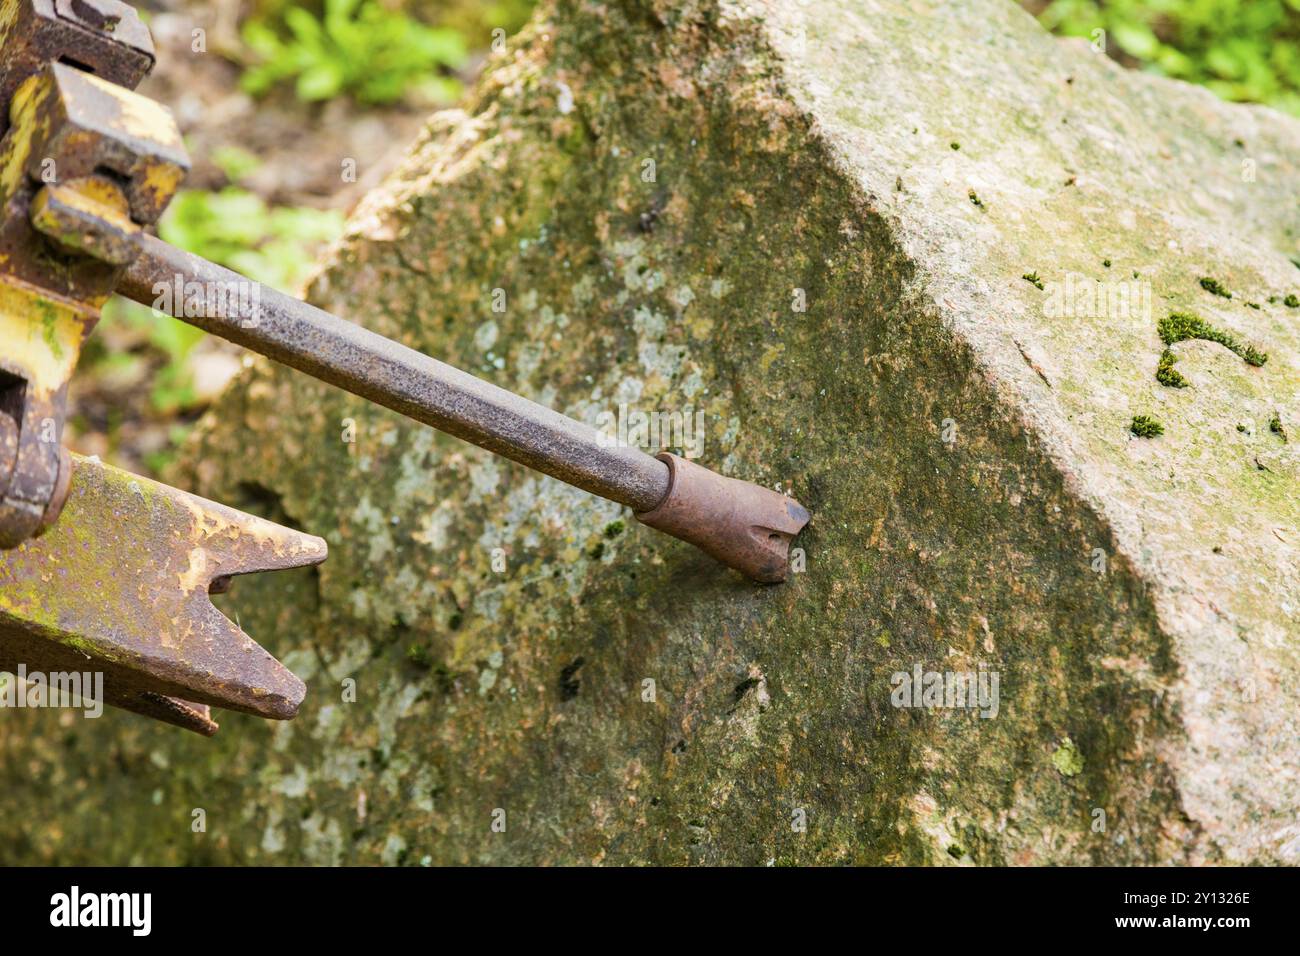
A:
(913, 262)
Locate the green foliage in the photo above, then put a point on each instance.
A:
(1244, 50)
(237, 229)
(475, 19)
(1143, 426)
(356, 46)
(235, 161)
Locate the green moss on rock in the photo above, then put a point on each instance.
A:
(1067, 759)
(1144, 426)
(1182, 326)
(1214, 287)
(1166, 374)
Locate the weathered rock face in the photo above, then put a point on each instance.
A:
(659, 189)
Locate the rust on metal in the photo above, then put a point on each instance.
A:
(104, 37)
(84, 166)
(71, 127)
(102, 570)
(121, 585)
(42, 341)
(743, 525)
(88, 214)
(390, 374)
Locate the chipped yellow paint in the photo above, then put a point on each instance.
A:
(162, 180)
(138, 115)
(157, 174)
(8, 16)
(88, 214)
(214, 524)
(42, 338)
(22, 116)
(105, 580)
(98, 195)
(92, 195)
(197, 574)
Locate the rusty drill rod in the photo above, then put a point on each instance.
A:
(741, 524)
(378, 369)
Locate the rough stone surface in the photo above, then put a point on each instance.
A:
(905, 164)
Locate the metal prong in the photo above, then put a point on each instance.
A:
(121, 585)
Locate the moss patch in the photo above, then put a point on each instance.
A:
(1181, 326)
(1166, 374)
(1067, 759)
(1276, 427)
(1144, 426)
(1215, 287)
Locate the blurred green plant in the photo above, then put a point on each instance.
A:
(1244, 50)
(356, 46)
(236, 228)
(235, 162)
(476, 19)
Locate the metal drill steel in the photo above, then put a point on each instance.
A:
(743, 525)
(388, 373)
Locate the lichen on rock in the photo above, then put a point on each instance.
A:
(756, 210)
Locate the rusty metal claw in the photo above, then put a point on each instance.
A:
(107, 572)
(121, 585)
